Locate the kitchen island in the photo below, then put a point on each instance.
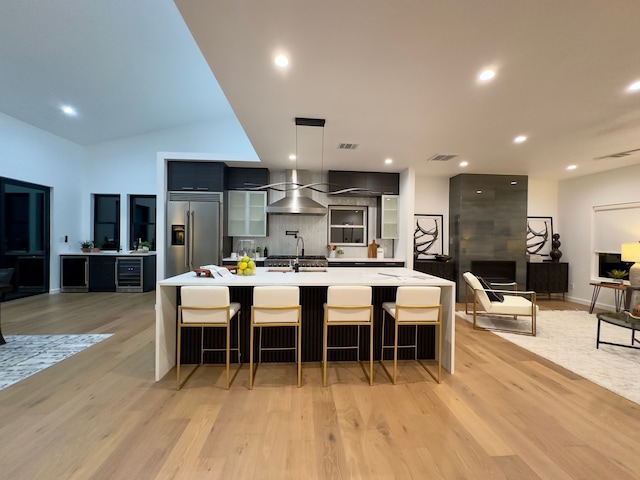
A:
(312, 295)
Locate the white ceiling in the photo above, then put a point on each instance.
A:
(397, 78)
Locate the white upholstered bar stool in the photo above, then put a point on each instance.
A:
(208, 307)
(347, 305)
(414, 306)
(275, 306)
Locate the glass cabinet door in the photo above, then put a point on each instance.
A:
(389, 218)
(247, 215)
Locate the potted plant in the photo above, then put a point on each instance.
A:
(618, 275)
(144, 246)
(86, 245)
(332, 250)
(96, 246)
(339, 252)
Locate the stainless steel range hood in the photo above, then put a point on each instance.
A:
(297, 199)
(309, 151)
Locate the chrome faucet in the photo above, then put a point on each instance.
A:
(298, 240)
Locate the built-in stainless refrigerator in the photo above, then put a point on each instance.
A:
(194, 231)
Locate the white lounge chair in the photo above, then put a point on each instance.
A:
(502, 302)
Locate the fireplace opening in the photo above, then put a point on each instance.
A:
(495, 271)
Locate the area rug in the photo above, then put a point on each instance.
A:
(25, 355)
(568, 338)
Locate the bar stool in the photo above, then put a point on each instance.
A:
(348, 305)
(414, 306)
(275, 306)
(208, 307)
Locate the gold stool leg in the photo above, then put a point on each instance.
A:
(251, 327)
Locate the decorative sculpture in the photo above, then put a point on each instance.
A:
(555, 253)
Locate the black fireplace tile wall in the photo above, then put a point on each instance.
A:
(488, 221)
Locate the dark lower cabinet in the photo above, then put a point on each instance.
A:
(74, 273)
(446, 270)
(548, 277)
(102, 276)
(365, 263)
(107, 273)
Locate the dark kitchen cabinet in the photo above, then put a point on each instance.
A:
(102, 276)
(436, 268)
(196, 176)
(366, 263)
(239, 178)
(373, 184)
(74, 273)
(101, 272)
(548, 277)
(383, 183)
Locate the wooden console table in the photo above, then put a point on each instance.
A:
(618, 289)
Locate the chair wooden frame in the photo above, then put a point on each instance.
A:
(516, 304)
(228, 349)
(398, 322)
(337, 323)
(298, 328)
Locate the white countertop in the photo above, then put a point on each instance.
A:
(333, 259)
(364, 259)
(332, 276)
(109, 253)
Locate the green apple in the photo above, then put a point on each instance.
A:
(251, 264)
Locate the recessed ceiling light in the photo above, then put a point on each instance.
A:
(292, 157)
(635, 86)
(68, 110)
(282, 61)
(478, 191)
(486, 75)
(520, 139)
(464, 163)
(513, 182)
(388, 161)
(572, 167)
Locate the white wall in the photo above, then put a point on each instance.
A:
(35, 156)
(125, 167)
(130, 166)
(576, 199)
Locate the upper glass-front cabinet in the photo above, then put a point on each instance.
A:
(348, 225)
(389, 217)
(247, 215)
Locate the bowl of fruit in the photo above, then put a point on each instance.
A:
(246, 266)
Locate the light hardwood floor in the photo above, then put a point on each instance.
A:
(505, 414)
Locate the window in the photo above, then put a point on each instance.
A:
(142, 220)
(106, 222)
(348, 225)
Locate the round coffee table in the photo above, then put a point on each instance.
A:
(620, 319)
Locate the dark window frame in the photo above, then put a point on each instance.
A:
(100, 224)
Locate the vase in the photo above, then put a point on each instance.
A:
(555, 253)
(332, 254)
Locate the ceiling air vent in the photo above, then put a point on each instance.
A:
(619, 154)
(347, 146)
(441, 157)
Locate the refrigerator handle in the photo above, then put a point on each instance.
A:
(192, 238)
(187, 235)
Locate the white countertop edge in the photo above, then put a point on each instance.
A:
(109, 253)
(333, 276)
